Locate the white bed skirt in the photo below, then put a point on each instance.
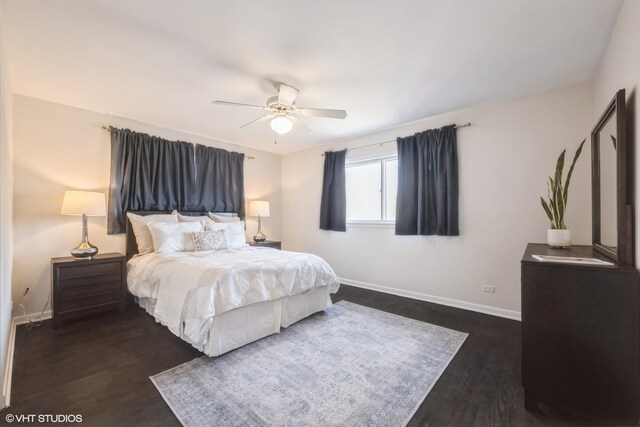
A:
(244, 325)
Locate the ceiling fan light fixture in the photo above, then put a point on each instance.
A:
(281, 125)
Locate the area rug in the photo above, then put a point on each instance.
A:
(347, 366)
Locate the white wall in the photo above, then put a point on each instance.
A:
(620, 69)
(57, 148)
(504, 159)
(6, 198)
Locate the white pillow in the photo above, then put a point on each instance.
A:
(141, 231)
(235, 232)
(174, 237)
(224, 219)
(210, 240)
(200, 218)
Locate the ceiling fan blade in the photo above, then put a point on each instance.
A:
(258, 120)
(319, 112)
(286, 94)
(299, 124)
(237, 104)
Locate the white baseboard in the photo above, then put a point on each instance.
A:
(485, 309)
(21, 320)
(8, 367)
(8, 372)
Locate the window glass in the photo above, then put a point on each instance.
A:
(364, 192)
(390, 189)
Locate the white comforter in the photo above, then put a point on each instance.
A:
(197, 286)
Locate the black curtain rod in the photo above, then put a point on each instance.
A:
(108, 129)
(392, 140)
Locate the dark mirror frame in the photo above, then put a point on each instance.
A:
(623, 254)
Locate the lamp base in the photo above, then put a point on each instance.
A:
(259, 237)
(85, 250)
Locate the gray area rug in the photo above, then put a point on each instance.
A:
(347, 366)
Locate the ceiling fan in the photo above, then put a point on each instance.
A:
(283, 112)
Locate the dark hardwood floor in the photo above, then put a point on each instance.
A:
(100, 368)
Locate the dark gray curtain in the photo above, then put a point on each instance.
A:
(147, 173)
(427, 202)
(151, 173)
(333, 204)
(219, 181)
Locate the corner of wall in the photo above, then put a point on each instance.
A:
(6, 224)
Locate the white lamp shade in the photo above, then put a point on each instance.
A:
(259, 208)
(83, 203)
(281, 125)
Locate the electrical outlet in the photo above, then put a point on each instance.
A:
(488, 288)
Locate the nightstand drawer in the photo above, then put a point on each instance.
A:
(90, 270)
(90, 279)
(90, 295)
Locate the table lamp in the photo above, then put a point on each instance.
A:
(85, 203)
(259, 208)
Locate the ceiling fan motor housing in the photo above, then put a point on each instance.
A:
(278, 108)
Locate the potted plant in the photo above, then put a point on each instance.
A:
(558, 236)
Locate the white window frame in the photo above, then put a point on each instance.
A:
(374, 223)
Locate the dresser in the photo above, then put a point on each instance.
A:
(580, 336)
(83, 287)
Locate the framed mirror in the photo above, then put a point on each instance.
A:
(611, 209)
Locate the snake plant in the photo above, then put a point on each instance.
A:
(558, 193)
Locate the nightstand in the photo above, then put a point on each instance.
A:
(267, 244)
(83, 287)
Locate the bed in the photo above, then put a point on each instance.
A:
(221, 300)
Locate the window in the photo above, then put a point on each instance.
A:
(371, 191)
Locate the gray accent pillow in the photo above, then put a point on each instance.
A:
(212, 240)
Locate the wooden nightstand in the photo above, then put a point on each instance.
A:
(267, 244)
(82, 287)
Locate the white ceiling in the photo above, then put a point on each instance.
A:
(385, 62)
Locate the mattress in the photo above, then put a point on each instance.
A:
(221, 300)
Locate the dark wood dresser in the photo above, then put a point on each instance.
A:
(580, 336)
(82, 287)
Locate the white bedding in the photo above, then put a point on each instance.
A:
(191, 288)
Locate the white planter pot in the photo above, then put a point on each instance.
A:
(559, 238)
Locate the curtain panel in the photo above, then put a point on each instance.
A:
(333, 204)
(427, 201)
(151, 173)
(219, 181)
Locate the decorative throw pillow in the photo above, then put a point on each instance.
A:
(141, 231)
(174, 237)
(212, 240)
(235, 232)
(224, 219)
(200, 218)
